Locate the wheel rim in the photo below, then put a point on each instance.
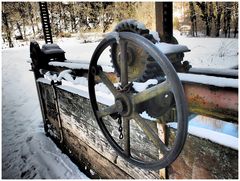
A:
(176, 88)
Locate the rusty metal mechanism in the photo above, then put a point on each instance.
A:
(141, 66)
(127, 101)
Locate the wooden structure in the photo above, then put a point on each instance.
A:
(85, 144)
(69, 121)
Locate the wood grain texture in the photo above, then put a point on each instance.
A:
(203, 159)
(86, 144)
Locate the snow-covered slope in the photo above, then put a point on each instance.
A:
(26, 151)
(210, 52)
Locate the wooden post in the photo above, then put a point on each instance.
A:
(162, 134)
(164, 26)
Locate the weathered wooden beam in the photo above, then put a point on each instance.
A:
(200, 158)
(203, 159)
(209, 100)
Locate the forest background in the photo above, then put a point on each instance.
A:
(22, 20)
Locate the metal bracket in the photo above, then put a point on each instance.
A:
(53, 85)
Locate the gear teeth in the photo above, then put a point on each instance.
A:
(152, 69)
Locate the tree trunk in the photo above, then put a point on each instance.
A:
(65, 23)
(236, 19)
(19, 29)
(225, 23)
(192, 17)
(196, 30)
(21, 11)
(24, 28)
(51, 10)
(229, 19)
(204, 10)
(210, 17)
(8, 31)
(218, 19)
(31, 18)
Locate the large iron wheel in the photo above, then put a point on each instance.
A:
(127, 100)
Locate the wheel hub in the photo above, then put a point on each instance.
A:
(124, 104)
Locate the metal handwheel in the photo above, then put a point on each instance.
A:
(126, 100)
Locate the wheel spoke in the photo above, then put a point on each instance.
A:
(151, 92)
(151, 134)
(108, 83)
(123, 64)
(109, 110)
(126, 135)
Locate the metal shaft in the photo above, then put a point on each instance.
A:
(124, 65)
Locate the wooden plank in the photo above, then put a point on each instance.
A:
(203, 159)
(93, 162)
(86, 129)
(78, 122)
(199, 159)
(162, 134)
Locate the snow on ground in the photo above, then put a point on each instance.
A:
(26, 151)
(205, 52)
(210, 52)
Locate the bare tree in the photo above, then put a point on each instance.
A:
(6, 27)
(217, 18)
(31, 17)
(204, 16)
(227, 19)
(235, 18)
(193, 18)
(22, 7)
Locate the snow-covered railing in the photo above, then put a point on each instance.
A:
(215, 96)
(79, 87)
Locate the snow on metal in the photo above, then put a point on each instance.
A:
(139, 25)
(71, 65)
(140, 86)
(113, 34)
(168, 48)
(209, 80)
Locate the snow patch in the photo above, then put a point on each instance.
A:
(65, 75)
(50, 77)
(115, 35)
(140, 86)
(168, 48)
(43, 80)
(103, 95)
(155, 35)
(146, 116)
(209, 80)
(217, 137)
(80, 66)
(69, 65)
(139, 25)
